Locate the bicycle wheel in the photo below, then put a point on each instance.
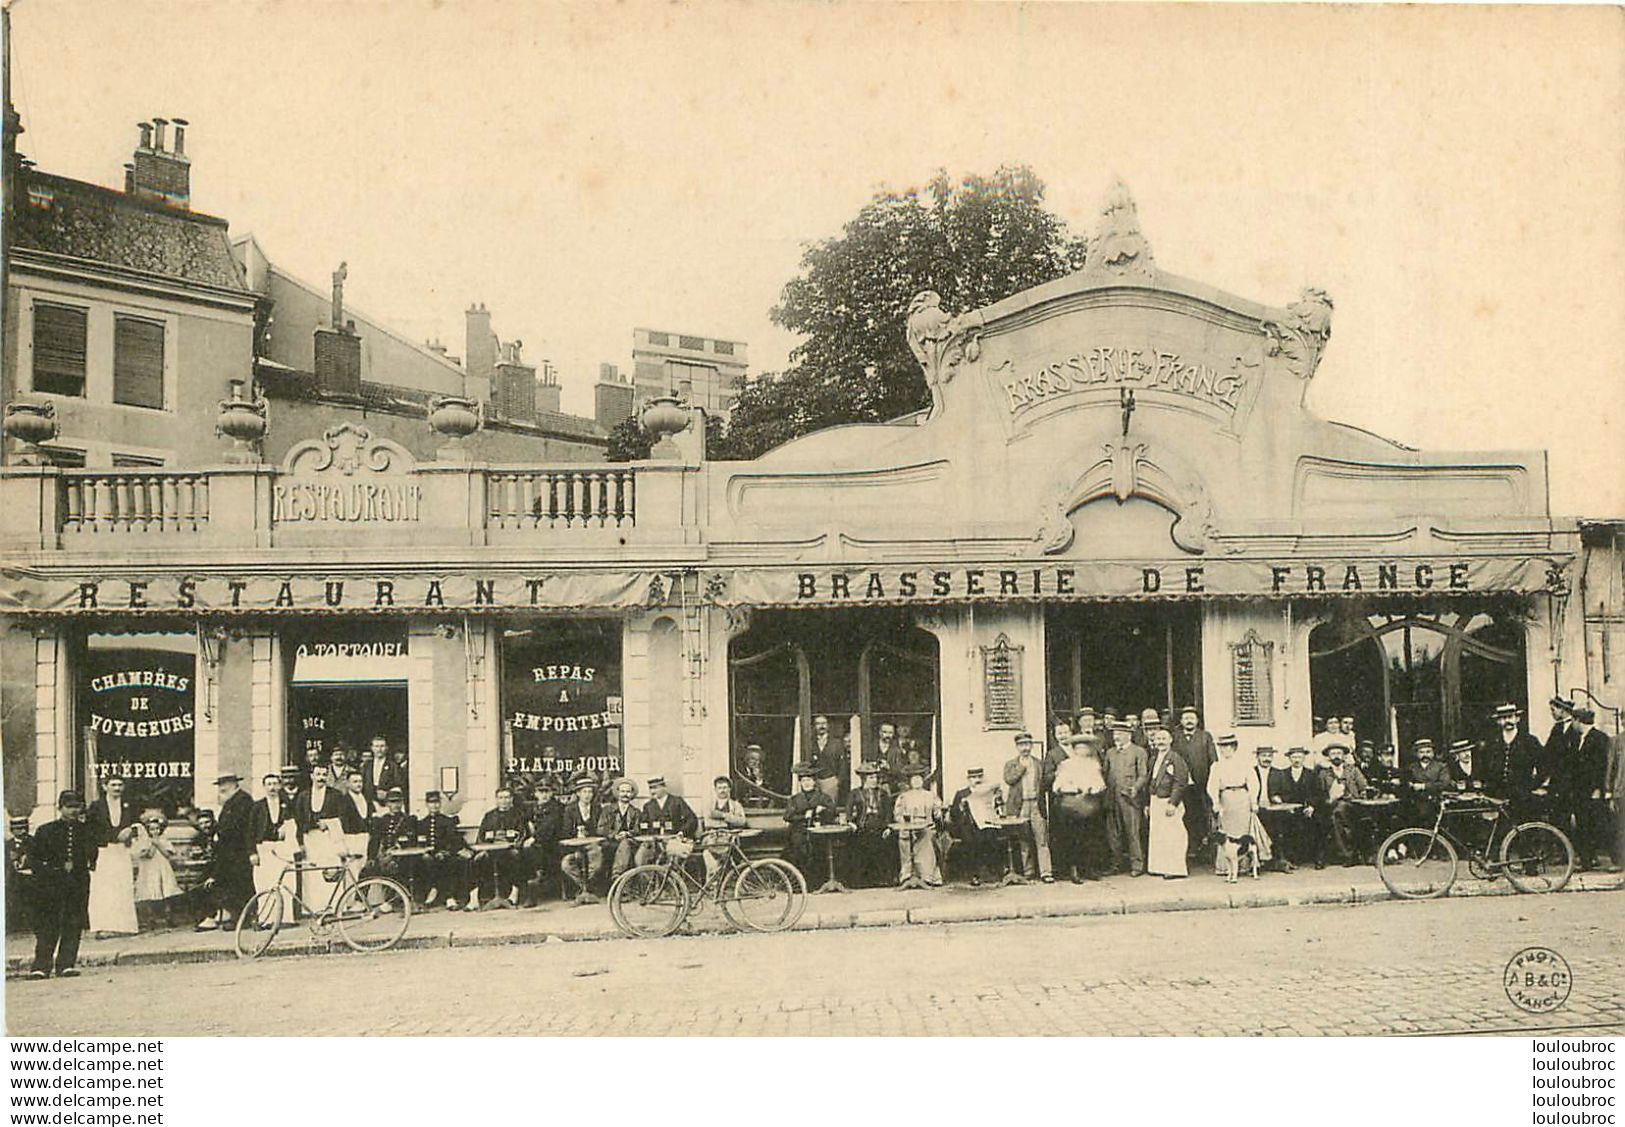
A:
(798, 889)
(649, 901)
(258, 923)
(1417, 864)
(374, 914)
(1537, 857)
(766, 897)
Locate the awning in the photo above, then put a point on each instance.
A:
(28, 592)
(909, 584)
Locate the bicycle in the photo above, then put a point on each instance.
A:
(1417, 863)
(370, 914)
(654, 900)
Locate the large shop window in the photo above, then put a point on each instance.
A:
(137, 700)
(1404, 676)
(347, 687)
(871, 673)
(561, 699)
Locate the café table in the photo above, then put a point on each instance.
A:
(1011, 828)
(491, 849)
(582, 846)
(829, 834)
(911, 828)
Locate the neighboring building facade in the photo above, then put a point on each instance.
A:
(701, 371)
(1118, 500)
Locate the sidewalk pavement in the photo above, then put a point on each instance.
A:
(881, 907)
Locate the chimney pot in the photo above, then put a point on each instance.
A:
(158, 126)
(180, 136)
(146, 134)
(129, 178)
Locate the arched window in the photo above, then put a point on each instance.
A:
(861, 669)
(1403, 676)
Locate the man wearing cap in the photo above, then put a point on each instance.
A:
(1300, 833)
(1127, 771)
(1195, 746)
(1024, 798)
(1514, 764)
(19, 878)
(61, 858)
(498, 870)
(444, 869)
(666, 813)
(541, 850)
(1577, 790)
(808, 806)
(583, 865)
(389, 831)
(975, 828)
(619, 825)
(870, 812)
(233, 873)
(1562, 735)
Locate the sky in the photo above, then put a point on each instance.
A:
(1454, 177)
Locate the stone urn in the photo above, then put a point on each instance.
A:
(455, 417)
(244, 421)
(664, 416)
(29, 424)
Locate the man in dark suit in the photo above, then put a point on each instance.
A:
(445, 869)
(19, 879)
(540, 855)
(808, 806)
(233, 846)
(619, 824)
(830, 756)
(269, 814)
(1563, 737)
(977, 850)
(321, 803)
(389, 831)
(583, 865)
(499, 869)
(1578, 786)
(1195, 746)
(1514, 765)
(110, 818)
(1303, 839)
(392, 770)
(61, 857)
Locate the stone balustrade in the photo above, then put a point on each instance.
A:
(133, 502)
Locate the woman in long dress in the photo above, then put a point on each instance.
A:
(1232, 785)
(155, 883)
(112, 888)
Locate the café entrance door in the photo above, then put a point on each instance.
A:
(1122, 656)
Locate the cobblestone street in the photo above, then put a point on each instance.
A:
(1378, 969)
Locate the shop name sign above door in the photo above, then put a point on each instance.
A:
(1123, 365)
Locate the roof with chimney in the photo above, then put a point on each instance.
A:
(59, 216)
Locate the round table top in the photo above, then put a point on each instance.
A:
(491, 846)
(737, 831)
(911, 825)
(1378, 800)
(578, 842)
(835, 828)
(1282, 807)
(410, 850)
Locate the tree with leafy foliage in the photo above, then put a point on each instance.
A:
(973, 242)
(628, 441)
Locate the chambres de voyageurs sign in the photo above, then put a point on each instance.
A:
(562, 704)
(137, 705)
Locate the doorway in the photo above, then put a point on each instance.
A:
(345, 718)
(1122, 657)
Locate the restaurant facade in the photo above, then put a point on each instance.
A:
(1118, 499)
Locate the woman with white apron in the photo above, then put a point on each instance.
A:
(112, 882)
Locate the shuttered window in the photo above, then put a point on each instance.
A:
(138, 362)
(59, 349)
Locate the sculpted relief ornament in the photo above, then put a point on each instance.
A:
(1127, 471)
(941, 342)
(1119, 248)
(1298, 340)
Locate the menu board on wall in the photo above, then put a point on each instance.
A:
(136, 707)
(1251, 684)
(561, 701)
(1001, 685)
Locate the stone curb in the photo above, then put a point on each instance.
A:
(924, 915)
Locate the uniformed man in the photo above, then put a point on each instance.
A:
(619, 825)
(869, 810)
(61, 857)
(498, 870)
(541, 852)
(19, 879)
(445, 868)
(391, 830)
(1128, 769)
(809, 806)
(666, 813)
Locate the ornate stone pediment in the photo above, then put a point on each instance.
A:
(1126, 471)
(347, 450)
